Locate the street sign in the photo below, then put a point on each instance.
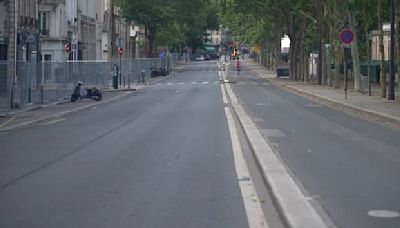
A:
(67, 48)
(346, 36)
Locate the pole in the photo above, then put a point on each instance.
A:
(320, 53)
(345, 73)
(391, 95)
(120, 69)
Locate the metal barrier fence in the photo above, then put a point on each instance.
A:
(47, 82)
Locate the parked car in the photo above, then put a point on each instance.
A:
(200, 58)
(215, 55)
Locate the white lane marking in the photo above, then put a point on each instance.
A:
(181, 83)
(255, 215)
(7, 121)
(263, 104)
(224, 94)
(216, 82)
(383, 214)
(170, 83)
(231, 94)
(194, 83)
(52, 122)
(205, 83)
(158, 84)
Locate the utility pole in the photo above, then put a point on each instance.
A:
(391, 95)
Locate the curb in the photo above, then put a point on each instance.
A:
(64, 112)
(292, 206)
(34, 108)
(360, 112)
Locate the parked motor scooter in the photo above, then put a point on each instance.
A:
(92, 93)
(158, 71)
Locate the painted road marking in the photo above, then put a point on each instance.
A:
(194, 83)
(263, 104)
(52, 122)
(7, 121)
(383, 214)
(205, 83)
(255, 215)
(181, 83)
(224, 94)
(170, 83)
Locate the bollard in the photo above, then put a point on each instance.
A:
(143, 75)
(115, 78)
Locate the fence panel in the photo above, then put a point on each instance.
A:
(47, 82)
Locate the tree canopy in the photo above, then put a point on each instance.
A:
(172, 23)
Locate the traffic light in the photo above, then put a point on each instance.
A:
(235, 53)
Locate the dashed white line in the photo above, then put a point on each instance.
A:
(53, 122)
(205, 83)
(224, 94)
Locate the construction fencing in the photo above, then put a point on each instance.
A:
(46, 82)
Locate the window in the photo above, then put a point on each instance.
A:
(47, 57)
(44, 23)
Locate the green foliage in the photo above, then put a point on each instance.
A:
(174, 23)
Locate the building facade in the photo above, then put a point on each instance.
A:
(53, 29)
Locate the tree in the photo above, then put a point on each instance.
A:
(382, 50)
(172, 22)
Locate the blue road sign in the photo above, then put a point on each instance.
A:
(346, 36)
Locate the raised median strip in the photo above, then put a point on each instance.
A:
(295, 210)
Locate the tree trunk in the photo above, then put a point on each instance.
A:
(355, 55)
(368, 59)
(306, 65)
(277, 56)
(291, 57)
(398, 43)
(151, 38)
(382, 51)
(337, 66)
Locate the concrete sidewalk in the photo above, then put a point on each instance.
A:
(372, 108)
(42, 112)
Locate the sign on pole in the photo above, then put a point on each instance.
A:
(67, 48)
(346, 36)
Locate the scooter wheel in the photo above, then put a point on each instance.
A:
(74, 98)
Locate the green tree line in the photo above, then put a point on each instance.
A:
(310, 24)
(172, 23)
